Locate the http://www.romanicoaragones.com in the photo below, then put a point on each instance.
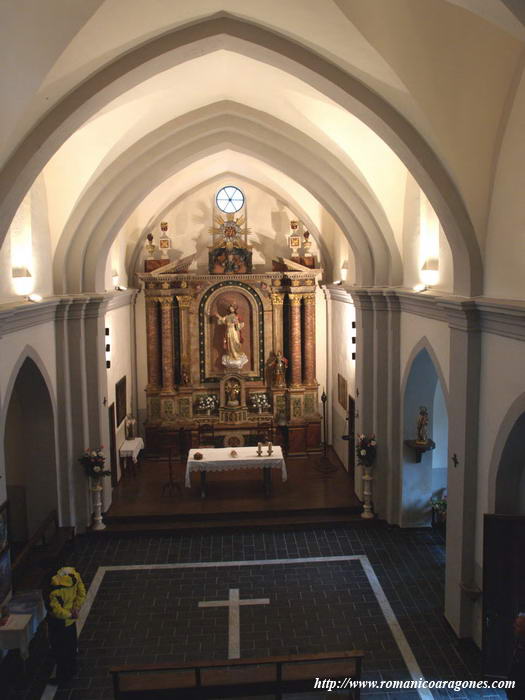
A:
(329, 684)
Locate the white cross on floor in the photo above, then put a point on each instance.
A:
(234, 627)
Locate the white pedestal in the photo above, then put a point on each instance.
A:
(367, 513)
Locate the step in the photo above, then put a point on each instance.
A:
(280, 522)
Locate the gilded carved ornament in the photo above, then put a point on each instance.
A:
(277, 299)
(295, 299)
(184, 302)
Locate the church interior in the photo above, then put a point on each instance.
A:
(262, 326)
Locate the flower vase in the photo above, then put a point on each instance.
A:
(259, 409)
(368, 512)
(96, 490)
(208, 411)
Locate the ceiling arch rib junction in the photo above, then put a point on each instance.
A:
(109, 201)
(249, 39)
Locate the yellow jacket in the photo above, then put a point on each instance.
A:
(67, 595)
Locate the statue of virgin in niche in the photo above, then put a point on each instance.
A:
(234, 358)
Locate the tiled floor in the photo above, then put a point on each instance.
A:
(149, 616)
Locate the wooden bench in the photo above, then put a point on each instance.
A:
(237, 678)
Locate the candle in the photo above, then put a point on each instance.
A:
(259, 448)
(269, 448)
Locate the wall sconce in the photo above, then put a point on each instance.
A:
(108, 348)
(430, 272)
(22, 280)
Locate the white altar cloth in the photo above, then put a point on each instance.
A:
(219, 459)
(131, 448)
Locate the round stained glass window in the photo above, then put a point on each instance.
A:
(229, 199)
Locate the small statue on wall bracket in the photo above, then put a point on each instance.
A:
(422, 425)
(422, 443)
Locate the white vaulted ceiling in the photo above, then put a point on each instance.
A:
(340, 104)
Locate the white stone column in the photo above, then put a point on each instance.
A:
(465, 365)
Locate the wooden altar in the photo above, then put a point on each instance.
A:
(196, 377)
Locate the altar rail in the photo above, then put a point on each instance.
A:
(272, 675)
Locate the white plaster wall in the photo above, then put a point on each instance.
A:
(412, 250)
(439, 434)
(41, 339)
(342, 315)
(505, 246)
(118, 322)
(28, 244)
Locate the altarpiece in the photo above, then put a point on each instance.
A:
(231, 346)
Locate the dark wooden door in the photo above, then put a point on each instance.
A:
(113, 445)
(351, 433)
(503, 589)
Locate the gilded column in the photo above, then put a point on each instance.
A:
(166, 305)
(295, 339)
(153, 342)
(277, 322)
(185, 349)
(309, 339)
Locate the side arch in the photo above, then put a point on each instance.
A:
(27, 352)
(262, 44)
(424, 344)
(513, 415)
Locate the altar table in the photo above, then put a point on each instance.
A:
(131, 448)
(220, 459)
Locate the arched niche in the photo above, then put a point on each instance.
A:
(510, 480)
(29, 447)
(216, 299)
(422, 480)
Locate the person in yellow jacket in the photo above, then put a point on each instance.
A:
(66, 596)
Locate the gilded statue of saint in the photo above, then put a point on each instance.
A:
(232, 390)
(234, 357)
(279, 365)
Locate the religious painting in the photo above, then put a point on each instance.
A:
(342, 391)
(120, 400)
(5, 575)
(3, 527)
(231, 333)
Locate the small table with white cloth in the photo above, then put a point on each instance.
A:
(26, 612)
(131, 448)
(221, 459)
